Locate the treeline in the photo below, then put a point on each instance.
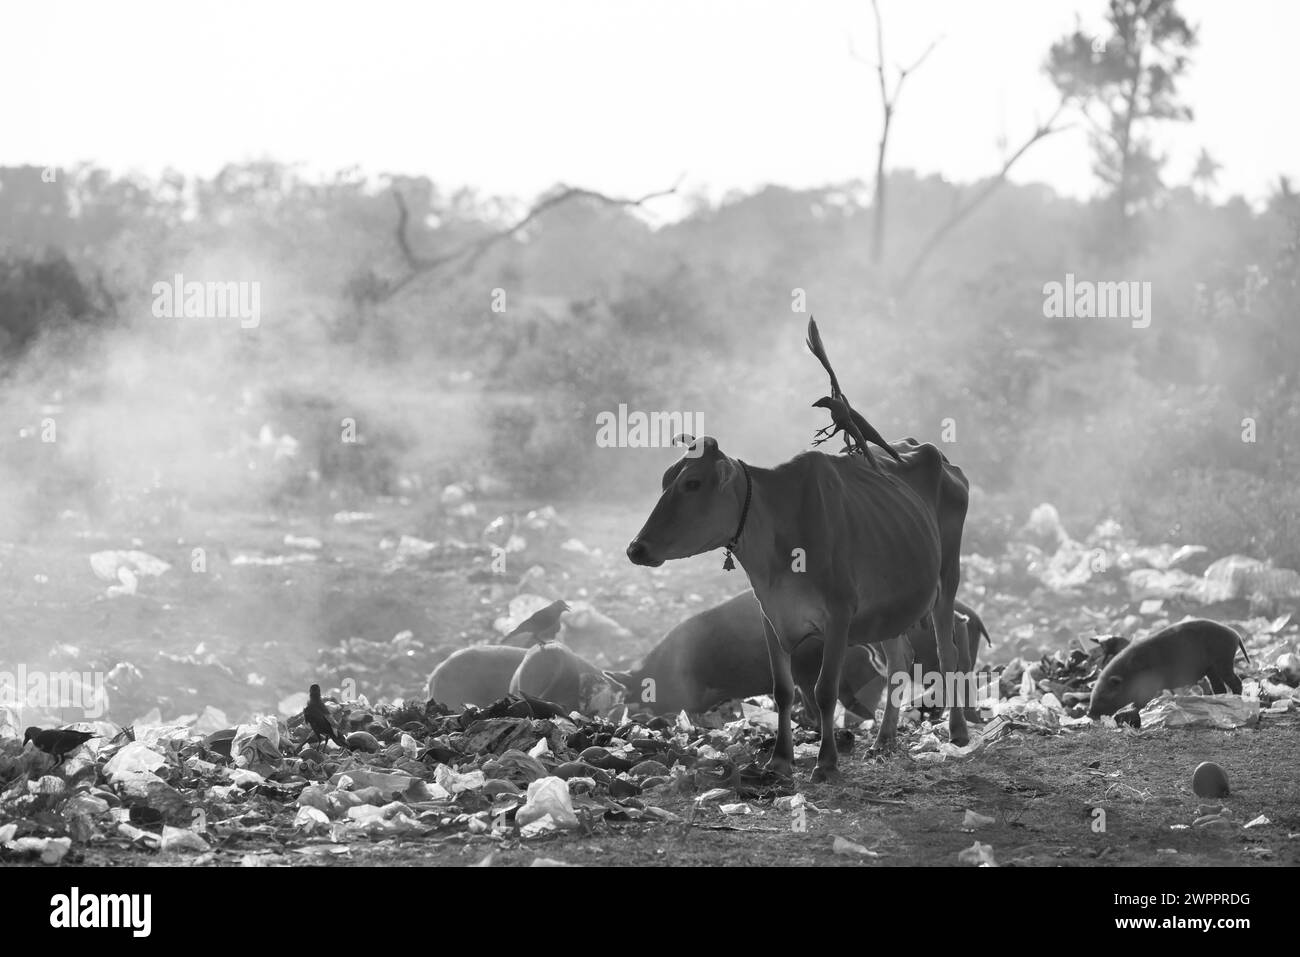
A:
(593, 304)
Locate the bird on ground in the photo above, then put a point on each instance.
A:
(543, 625)
(318, 717)
(59, 742)
(842, 413)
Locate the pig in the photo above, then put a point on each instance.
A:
(479, 675)
(1173, 657)
(552, 672)
(720, 654)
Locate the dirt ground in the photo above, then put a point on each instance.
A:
(1041, 791)
(271, 624)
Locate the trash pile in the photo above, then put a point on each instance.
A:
(515, 770)
(1050, 599)
(1108, 566)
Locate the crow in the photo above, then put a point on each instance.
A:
(842, 414)
(844, 420)
(58, 742)
(318, 717)
(543, 625)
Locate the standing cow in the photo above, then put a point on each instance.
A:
(830, 545)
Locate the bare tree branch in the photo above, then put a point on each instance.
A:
(903, 72)
(963, 210)
(888, 104)
(467, 254)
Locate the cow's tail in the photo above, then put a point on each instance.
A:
(1242, 646)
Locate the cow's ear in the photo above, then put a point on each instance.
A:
(727, 471)
(706, 446)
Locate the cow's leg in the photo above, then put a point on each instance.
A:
(805, 661)
(827, 692)
(948, 660)
(898, 659)
(782, 760)
(966, 636)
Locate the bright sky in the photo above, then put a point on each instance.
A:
(511, 96)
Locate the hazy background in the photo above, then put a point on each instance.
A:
(245, 143)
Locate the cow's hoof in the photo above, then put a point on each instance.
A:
(883, 746)
(960, 740)
(780, 767)
(823, 775)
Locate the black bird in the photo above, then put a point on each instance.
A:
(843, 420)
(318, 717)
(56, 741)
(543, 625)
(838, 404)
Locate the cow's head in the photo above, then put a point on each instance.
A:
(700, 507)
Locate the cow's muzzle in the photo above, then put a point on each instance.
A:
(639, 554)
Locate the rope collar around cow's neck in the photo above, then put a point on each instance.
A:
(728, 564)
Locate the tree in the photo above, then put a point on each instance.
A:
(1206, 173)
(1130, 78)
(888, 104)
(963, 209)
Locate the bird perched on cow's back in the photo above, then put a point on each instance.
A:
(847, 420)
(542, 625)
(59, 742)
(318, 717)
(844, 417)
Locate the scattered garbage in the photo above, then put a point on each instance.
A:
(125, 568)
(548, 800)
(978, 855)
(507, 770)
(974, 819)
(846, 848)
(1200, 711)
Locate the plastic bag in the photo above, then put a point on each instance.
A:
(134, 760)
(1200, 711)
(548, 795)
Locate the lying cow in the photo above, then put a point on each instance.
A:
(476, 675)
(720, 654)
(553, 673)
(867, 668)
(834, 549)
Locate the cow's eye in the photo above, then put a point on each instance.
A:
(691, 485)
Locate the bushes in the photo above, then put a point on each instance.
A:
(1226, 510)
(34, 292)
(546, 444)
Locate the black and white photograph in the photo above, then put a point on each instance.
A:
(856, 434)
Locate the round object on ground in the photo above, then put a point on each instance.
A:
(1209, 780)
(362, 741)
